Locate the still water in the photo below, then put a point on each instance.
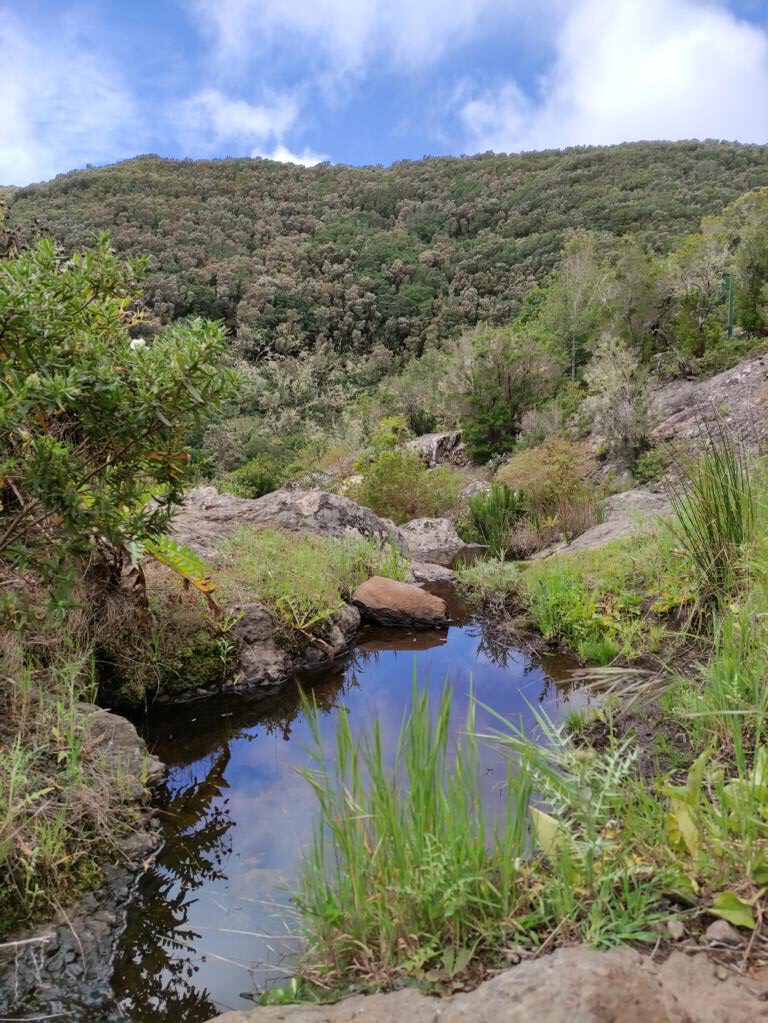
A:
(211, 922)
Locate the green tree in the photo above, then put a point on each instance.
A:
(93, 420)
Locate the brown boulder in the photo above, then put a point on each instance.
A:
(388, 602)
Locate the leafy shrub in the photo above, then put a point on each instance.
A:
(650, 465)
(492, 516)
(256, 478)
(93, 422)
(619, 397)
(397, 486)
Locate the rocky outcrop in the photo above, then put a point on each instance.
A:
(388, 602)
(738, 397)
(623, 515)
(264, 662)
(433, 540)
(476, 487)
(573, 985)
(440, 448)
(207, 517)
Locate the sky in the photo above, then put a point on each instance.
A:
(369, 81)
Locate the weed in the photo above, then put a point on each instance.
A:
(492, 517)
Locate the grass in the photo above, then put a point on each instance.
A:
(492, 582)
(492, 517)
(301, 579)
(64, 805)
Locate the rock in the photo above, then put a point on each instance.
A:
(440, 448)
(426, 572)
(388, 602)
(432, 540)
(208, 517)
(676, 930)
(264, 662)
(722, 933)
(476, 487)
(573, 985)
(625, 515)
(117, 740)
(737, 397)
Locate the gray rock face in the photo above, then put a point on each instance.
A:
(207, 517)
(426, 572)
(625, 515)
(433, 540)
(389, 602)
(573, 985)
(736, 396)
(476, 487)
(440, 448)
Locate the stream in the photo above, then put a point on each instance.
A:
(211, 923)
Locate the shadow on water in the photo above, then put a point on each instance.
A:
(211, 922)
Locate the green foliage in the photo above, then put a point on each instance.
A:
(492, 582)
(398, 486)
(651, 465)
(619, 401)
(402, 879)
(93, 422)
(259, 476)
(492, 517)
(715, 512)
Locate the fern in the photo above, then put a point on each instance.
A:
(187, 564)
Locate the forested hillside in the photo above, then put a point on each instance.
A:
(291, 257)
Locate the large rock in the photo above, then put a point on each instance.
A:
(433, 540)
(427, 572)
(573, 985)
(207, 517)
(389, 602)
(624, 515)
(440, 448)
(736, 397)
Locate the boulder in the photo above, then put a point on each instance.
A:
(389, 602)
(207, 517)
(263, 661)
(573, 985)
(476, 487)
(426, 572)
(439, 448)
(433, 540)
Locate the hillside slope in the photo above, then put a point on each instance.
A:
(291, 257)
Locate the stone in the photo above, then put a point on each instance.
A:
(476, 487)
(432, 540)
(388, 602)
(572, 985)
(720, 932)
(426, 572)
(625, 514)
(208, 517)
(676, 930)
(440, 448)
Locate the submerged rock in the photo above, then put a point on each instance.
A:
(389, 602)
(427, 572)
(208, 517)
(573, 985)
(440, 448)
(432, 540)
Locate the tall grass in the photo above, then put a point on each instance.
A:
(714, 505)
(492, 517)
(405, 873)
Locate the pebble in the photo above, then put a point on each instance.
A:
(722, 933)
(676, 929)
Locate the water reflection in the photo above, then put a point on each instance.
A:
(211, 923)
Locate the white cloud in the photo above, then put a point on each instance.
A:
(634, 69)
(347, 34)
(60, 106)
(282, 154)
(210, 118)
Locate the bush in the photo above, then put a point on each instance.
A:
(492, 517)
(491, 581)
(620, 396)
(398, 486)
(93, 422)
(256, 478)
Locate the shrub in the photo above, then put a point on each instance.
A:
(491, 581)
(93, 422)
(256, 478)
(397, 486)
(492, 516)
(650, 465)
(620, 396)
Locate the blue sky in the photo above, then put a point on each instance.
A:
(369, 81)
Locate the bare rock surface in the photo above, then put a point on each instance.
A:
(574, 985)
(427, 572)
(207, 517)
(389, 602)
(432, 540)
(738, 397)
(440, 448)
(625, 514)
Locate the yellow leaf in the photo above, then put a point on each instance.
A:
(548, 832)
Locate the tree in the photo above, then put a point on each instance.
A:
(93, 421)
(619, 396)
